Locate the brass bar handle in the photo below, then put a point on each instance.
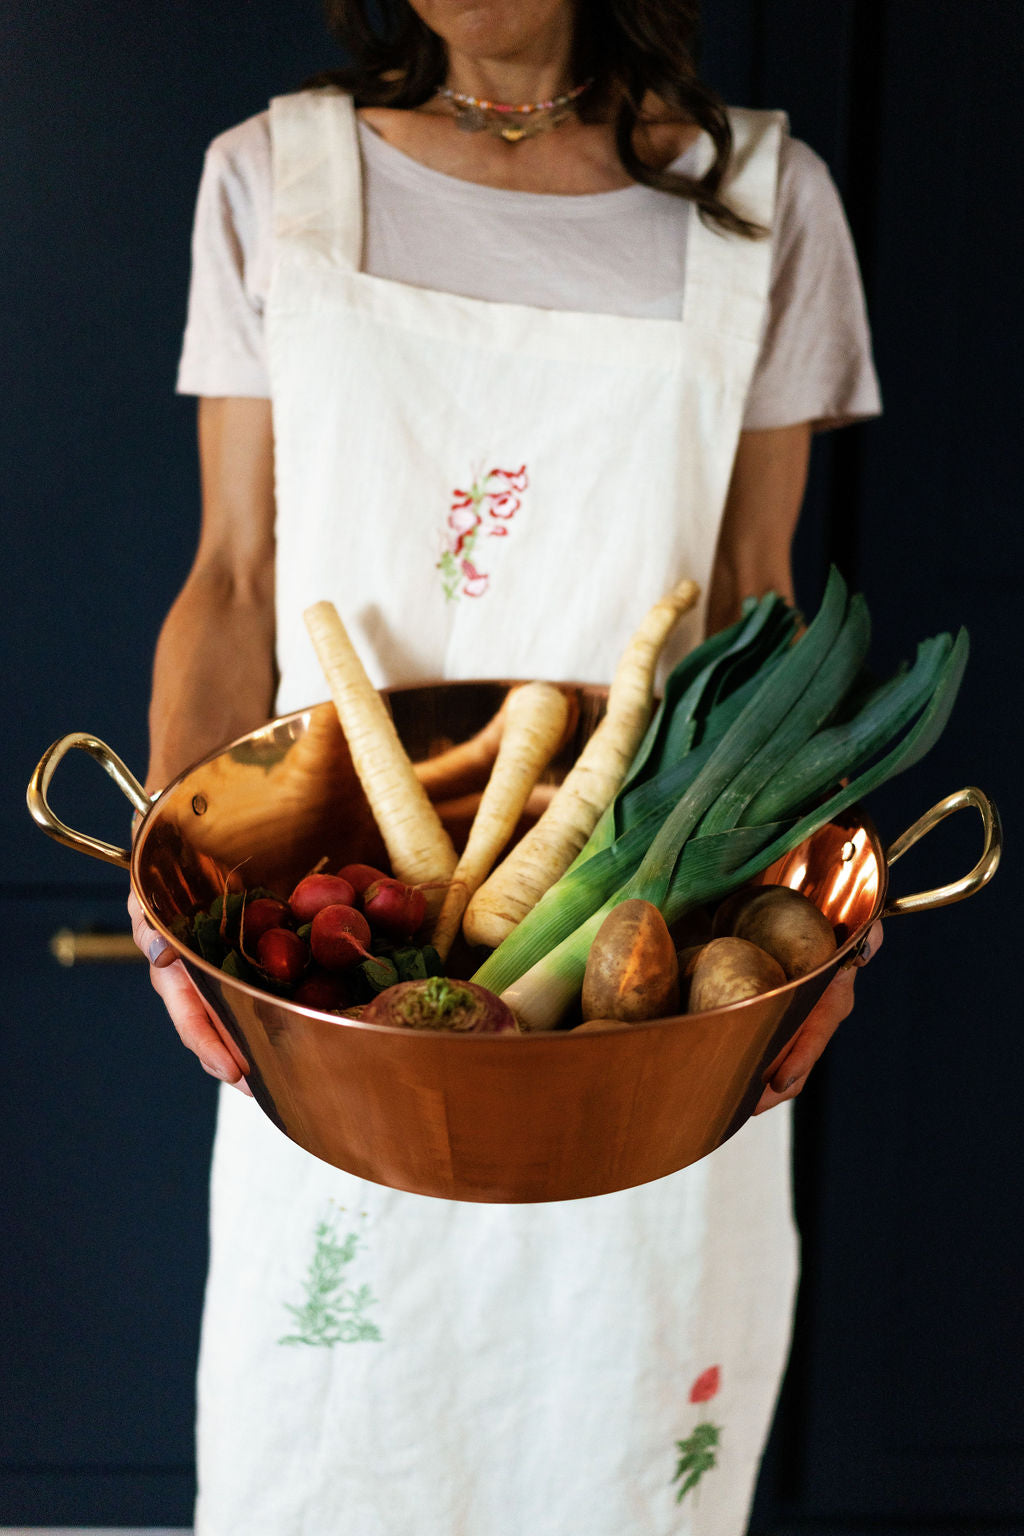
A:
(69, 947)
(39, 806)
(981, 874)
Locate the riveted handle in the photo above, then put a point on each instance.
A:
(981, 874)
(39, 786)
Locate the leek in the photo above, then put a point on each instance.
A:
(741, 764)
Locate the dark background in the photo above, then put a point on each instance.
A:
(902, 1409)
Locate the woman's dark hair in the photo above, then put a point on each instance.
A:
(628, 47)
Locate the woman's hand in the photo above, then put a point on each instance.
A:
(820, 1025)
(187, 1010)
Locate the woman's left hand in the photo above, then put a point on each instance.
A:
(835, 1004)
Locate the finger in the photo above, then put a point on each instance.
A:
(153, 945)
(872, 944)
(192, 1021)
(790, 1075)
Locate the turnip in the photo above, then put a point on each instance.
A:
(441, 1004)
(339, 937)
(315, 892)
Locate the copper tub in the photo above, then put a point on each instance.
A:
(502, 1118)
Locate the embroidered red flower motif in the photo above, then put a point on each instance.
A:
(515, 479)
(463, 520)
(488, 506)
(475, 584)
(706, 1385)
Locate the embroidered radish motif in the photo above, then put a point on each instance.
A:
(697, 1454)
(488, 507)
(475, 584)
(706, 1385)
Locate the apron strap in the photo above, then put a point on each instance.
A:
(318, 204)
(728, 276)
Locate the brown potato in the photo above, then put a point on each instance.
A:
(730, 970)
(632, 973)
(687, 959)
(787, 925)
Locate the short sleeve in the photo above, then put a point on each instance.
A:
(224, 349)
(815, 362)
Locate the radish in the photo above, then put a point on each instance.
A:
(282, 954)
(359, 876)
(315, 892)
(339, 937)
(258, 915)
(325, 990)
(395, 908)
(441, 1004)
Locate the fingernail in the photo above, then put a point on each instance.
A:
(865, 950)
(787, 1085)
(156, 949)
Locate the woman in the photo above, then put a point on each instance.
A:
(477, 277)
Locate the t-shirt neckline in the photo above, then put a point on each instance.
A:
(413, 174)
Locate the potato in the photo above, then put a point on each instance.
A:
(730, 970)
(787, 925)
(687, 959)
(632, 972)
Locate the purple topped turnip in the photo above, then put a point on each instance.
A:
(439, 1003)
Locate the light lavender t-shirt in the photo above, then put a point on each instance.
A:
(621, 252)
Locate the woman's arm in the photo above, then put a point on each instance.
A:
(753, 557)
(213, 677)
(761, 511)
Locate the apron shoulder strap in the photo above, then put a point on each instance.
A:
(728, 276)
(318, 205)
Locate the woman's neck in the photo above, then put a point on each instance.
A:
(539, 70)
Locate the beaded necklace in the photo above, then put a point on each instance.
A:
(511, 123)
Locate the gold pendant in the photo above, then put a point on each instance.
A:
(513, 135)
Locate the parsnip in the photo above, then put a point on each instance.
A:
(418, 846)
(547, 850)
(535, 721)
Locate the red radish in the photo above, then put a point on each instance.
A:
(315, 892)
(339, 937)
(359, 876)
(395, 908)
(325, 990)
(258, 915)
(282, 954)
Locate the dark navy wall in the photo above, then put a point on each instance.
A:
(901, 1410)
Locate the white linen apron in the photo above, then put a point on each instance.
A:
(490, 490)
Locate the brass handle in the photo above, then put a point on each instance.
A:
(981, 874)
(70, 948)
(39, 806)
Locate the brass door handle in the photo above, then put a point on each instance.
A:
(69, 947)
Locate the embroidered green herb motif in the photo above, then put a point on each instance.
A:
(333, 1312)
(697, 1454)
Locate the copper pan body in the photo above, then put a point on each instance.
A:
(503, 1119)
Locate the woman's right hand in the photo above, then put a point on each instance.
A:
(213, 676)
(187, 1010)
